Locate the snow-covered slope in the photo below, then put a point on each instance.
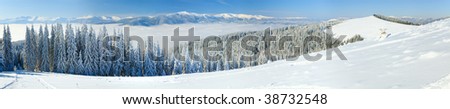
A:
(369, 27)
(413, 57)
(444, 83)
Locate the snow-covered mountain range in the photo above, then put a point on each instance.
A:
(171, 18)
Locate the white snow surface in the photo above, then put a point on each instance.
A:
(412, 57)
(369, 27)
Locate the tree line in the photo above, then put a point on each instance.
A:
(84, 51)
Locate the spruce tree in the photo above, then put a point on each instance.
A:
(30, 49)
(60, 50)
(8, 57)
(52, 48)
(149, 65)
(160, 61)
(43, 45)
(71, 51)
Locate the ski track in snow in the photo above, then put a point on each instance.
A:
(28, 80)
(44, 83)
(11, 83)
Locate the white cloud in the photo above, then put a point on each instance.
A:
(223, 2)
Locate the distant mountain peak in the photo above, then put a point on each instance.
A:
(242, 16)
(187, 13)
(85, 17)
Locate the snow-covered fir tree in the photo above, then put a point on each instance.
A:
(60, 50)
(88, 52)
(79, 68)
(44, 52)
(105, 60)
(138, 62)
(160, 61)
(118, 64)
(149, 64)
(8, 57)
(52, 48)
(178, 67)
(30, 49)
(71, 51)
(188, 67)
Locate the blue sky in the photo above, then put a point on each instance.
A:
(277, 8)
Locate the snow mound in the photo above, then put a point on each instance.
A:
(369, 27)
